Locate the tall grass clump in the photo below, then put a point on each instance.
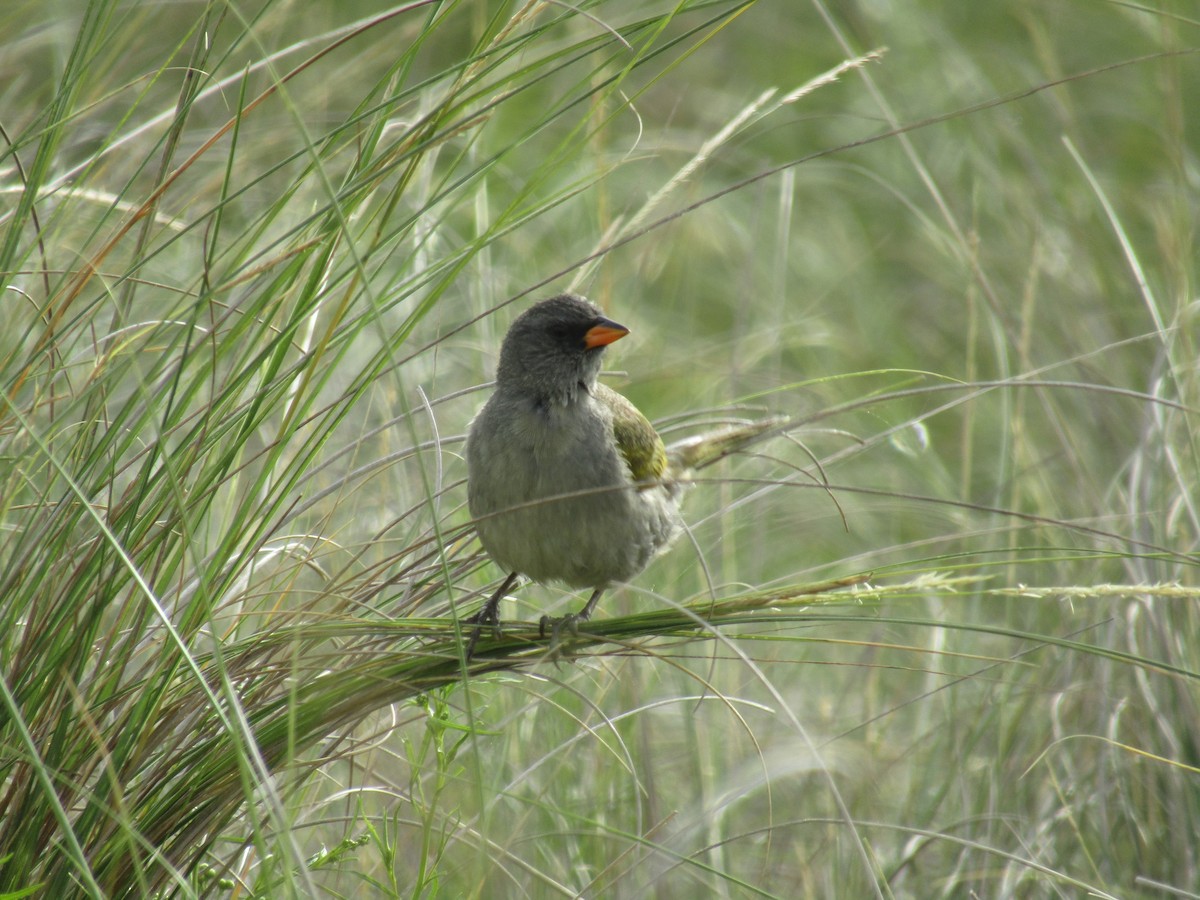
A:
(937, 638)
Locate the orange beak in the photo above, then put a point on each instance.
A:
(604, 332)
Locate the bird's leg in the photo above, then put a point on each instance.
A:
(570, 622)
(586, 613)
(489, 614)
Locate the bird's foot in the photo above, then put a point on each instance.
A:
(488, 615)
(483, 619)
(568, 624)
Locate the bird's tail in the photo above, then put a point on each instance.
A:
(693, 453)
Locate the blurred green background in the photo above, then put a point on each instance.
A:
(258, 260)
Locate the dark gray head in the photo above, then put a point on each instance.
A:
(553, 349)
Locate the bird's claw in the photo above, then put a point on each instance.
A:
(485, 617)
(568, 623)
(481, 620)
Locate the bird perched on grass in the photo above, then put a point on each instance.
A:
(567, 480)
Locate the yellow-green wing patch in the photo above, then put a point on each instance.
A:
(636, 438)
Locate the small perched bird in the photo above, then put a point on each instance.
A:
(567, 480)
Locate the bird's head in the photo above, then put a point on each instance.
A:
(553, 349)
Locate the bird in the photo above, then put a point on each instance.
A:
(567, 480)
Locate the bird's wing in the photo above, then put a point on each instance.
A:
(636, 438)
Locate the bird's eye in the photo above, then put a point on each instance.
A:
(571, 335)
